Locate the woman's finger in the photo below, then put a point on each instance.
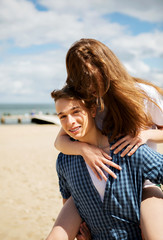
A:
(101, 167)
(128, 148)
(97, 174)
(120, 147)
(132, 146)
(107, 169)
(111, 164)
(101, 173)
(105, 155)
(134, 149)
(119, 142)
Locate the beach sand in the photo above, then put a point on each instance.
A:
(30, 200)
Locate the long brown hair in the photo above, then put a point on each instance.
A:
(95, 71)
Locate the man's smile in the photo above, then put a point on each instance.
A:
(75, 129)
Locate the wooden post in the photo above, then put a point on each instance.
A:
(19, 120)
(2, 120)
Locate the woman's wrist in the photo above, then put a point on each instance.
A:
(154, 135)
(82, 149)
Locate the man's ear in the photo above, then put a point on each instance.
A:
(93, 111)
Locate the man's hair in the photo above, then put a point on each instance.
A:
(68, 92)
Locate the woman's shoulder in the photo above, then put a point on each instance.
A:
(149, 90)
(153, 94)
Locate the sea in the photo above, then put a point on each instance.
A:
(9, 109)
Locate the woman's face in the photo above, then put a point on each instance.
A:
(75, 118)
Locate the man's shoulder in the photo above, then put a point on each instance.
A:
(65, 161)
(143, 149)
(64, 157)
(145, 152)
(139, 155)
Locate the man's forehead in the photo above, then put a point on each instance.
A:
(64, 105)
(70, 102)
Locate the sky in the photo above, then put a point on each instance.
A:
(35, 36)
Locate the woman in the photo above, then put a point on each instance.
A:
(95, 72)
(112, 210)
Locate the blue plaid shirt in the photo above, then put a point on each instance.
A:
(118, 216)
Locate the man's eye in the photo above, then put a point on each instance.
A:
(62, 117)
(77, 111)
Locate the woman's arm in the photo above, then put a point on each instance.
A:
(155, 109)
(65, 145)
(67, 224)
(95, 157)
(132, 144)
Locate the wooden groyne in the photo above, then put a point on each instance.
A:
(36, 118)
(19, 118)
(45, 119)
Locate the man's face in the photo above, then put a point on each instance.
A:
(75, 118)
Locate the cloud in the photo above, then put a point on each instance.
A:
(26, 26)
(133, 51)
(66, 21)
(146, 45)
(146, 10)
(34, 74)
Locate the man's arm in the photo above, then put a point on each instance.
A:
(152, 165)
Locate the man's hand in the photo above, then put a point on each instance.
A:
(84, 233)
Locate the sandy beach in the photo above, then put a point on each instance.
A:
(30, 200)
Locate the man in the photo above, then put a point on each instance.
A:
(111, 209)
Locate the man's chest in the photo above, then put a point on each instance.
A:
(121, 197)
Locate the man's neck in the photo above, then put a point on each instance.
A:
(96, 138)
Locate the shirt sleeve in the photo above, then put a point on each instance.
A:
(63, 185)
(156, 111)
(152, 165)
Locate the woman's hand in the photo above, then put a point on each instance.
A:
(84, 233)
(98, 160)
(95, 157)
(131, 143)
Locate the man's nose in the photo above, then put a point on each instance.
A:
(70, 120)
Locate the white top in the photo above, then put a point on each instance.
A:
(99, 185)
(157, 118)
(155, 112)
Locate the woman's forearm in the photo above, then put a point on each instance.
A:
(155, 135)
(66, 146)
(95, 157)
